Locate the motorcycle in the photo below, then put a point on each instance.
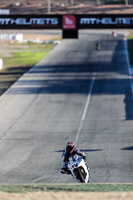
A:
(114, 34)
(78, 169)
(98, 46)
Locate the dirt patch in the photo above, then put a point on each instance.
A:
(68, 195)
(7, 49)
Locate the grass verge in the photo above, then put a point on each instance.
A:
(130, 48)
(67, 187)
(18, 59)
(25, 55)
(24, 58)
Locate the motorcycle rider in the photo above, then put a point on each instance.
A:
(67, 152)
(98, 46)
(114, 34)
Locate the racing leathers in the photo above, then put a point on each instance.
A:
(66, 155)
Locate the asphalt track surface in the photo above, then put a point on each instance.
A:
(75, 93)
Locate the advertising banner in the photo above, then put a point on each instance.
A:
(104, 21)
(66, 22)
(30, 22)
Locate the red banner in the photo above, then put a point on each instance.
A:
(69, 22)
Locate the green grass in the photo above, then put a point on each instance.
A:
(26, 57)
(130, 48)
(92, 187)
(67, 187)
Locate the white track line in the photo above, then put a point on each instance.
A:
(128, 64)
(85, 110)
(88, 99)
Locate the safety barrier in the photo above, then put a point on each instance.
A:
(17, 37)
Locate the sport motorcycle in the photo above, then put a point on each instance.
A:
(78, 168)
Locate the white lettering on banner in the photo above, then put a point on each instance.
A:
(120, 20)
(87, 20)
(24, 21)
(4, 21)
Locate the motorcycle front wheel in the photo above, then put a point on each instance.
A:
(79, 175)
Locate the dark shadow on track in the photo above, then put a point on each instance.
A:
(84, 150)
(9, 76)
(130, 148)
(90, 150)
(62, 77)
(128, 105)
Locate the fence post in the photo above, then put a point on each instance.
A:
(49, 6)
(126, 2)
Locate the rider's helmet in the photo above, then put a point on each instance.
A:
(69, 147)
(114, 34)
